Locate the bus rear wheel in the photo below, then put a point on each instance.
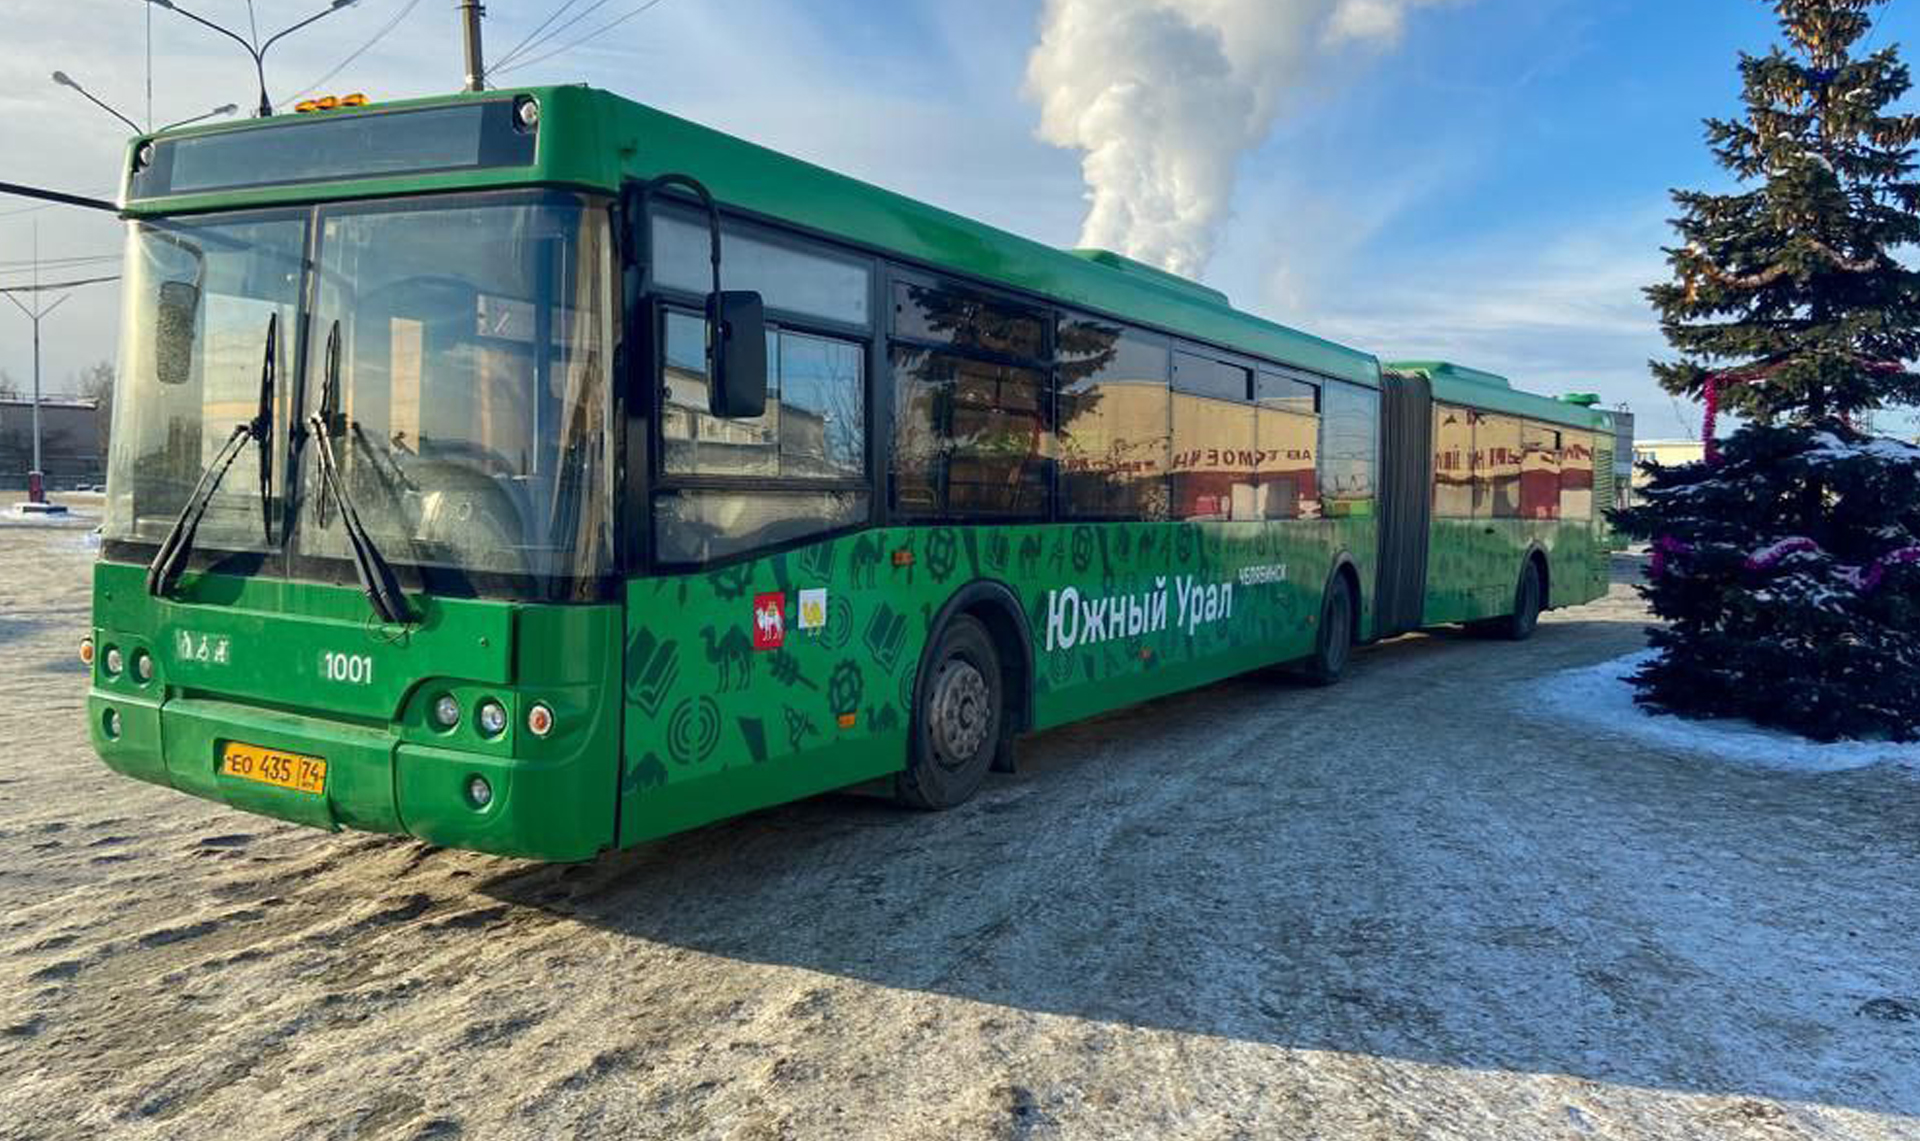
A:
(1334, 646)
(959, 718)
(1529, 598)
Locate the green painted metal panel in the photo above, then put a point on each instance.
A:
(244, 660)
(1115, 613)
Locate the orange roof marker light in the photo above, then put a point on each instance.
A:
(330, 103)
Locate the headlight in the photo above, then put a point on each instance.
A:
(446, 711)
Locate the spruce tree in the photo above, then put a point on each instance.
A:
(1788, 569)
(1786, 292)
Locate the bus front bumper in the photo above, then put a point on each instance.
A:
(374, 781)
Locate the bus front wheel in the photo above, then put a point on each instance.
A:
(1334, 646)
(959, 716)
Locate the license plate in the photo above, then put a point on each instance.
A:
(294, 771)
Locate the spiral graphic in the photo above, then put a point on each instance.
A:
(839, 623)
(693, 730)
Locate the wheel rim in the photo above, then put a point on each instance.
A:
(959, 712)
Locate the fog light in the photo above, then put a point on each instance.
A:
(86, 651)
(479, 792)
(143, 666)
(111, 723)
(114, 661)
(539, 720)
(446, 711)
(492, 718)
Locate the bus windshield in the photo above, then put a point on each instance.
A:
(455, 353)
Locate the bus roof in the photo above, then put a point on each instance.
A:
(595, 139)
(1458, 384)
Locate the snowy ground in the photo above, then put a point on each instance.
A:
(1416, 905)
(1602, 696)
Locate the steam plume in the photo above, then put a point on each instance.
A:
(1164, 96)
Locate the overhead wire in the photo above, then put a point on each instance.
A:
(541, 27)
(43, 287)
(517, 58)
(603, 30)
(357, 52)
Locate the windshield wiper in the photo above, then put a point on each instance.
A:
(171, 559)
(377, 579)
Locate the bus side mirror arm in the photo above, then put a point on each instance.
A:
(736, 319)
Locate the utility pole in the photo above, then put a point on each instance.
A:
(36, 479)
(470, 13)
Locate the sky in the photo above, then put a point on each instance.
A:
(1489, 187)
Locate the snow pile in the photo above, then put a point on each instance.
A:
(1602, 697)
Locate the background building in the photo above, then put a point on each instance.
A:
(71, 440)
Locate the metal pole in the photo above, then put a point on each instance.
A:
(36, 479)
(470, 13)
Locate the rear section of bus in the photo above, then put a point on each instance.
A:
(358, 564)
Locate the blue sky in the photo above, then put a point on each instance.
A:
(1491, 189)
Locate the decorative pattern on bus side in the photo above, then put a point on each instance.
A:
(1131, 603)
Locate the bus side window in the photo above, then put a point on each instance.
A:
(1540, 473)
(1576, 475)
(1289, 443)
(1115, 439)
(1496, 471)
(1349, 449)
(1214, 439)
(1452, 462)
(972, 429)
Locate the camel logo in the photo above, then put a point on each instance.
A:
(731, 657)
(769, 621)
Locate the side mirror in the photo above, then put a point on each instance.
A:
(737, 344)
(176, 311)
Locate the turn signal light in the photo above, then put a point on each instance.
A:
(539, 720)
(86, 652)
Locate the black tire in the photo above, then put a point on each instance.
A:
(1333, 648)
(1529, 599)
(959, 719)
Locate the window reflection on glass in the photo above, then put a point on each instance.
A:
(700, 525)
(1576, 475)
(1350, 433)
(472, 389)
(1496, 471)
(970, 436)
(1452, 462)
(1215, 447)
(1287, 392)
(1540, 473)
(953, 315)
(814, 426)
(1115, 438)
(1287, 465)
(196, 303)
(786, 278)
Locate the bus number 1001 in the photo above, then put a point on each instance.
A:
(354, 669)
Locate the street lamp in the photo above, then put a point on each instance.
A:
(65, 80)
(259, 54)
(223, 109)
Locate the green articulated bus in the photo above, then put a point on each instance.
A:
(537, 473)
